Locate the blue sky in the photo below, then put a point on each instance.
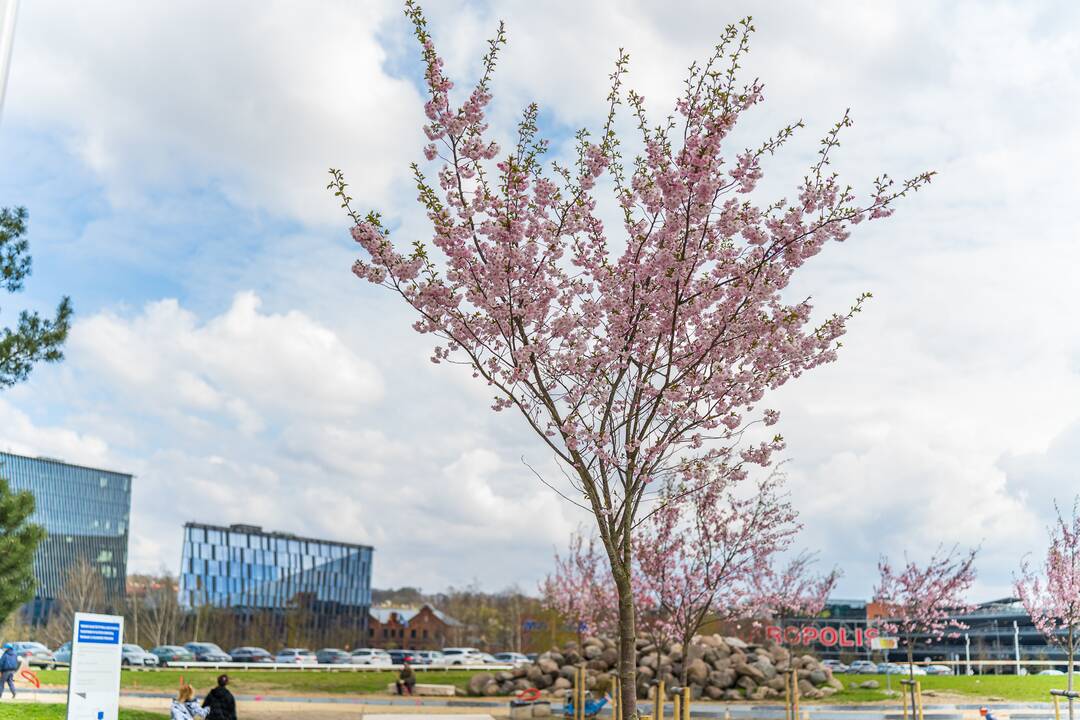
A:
(173, 160)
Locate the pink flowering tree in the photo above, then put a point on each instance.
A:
(923, 601)
(580, 590)
(791, 589)
(1051, 595)
(697, 554)
(629, 348)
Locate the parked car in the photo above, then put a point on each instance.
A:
(487, 658)
(431, 657)
(332, 656)
(370, 656)
(207, 652)
(135, 656)
(171, 653)
(37, 654)
(836, 666)
(864, 667)
(532, 656)
(62, 654)
(296, 656)
(461, 656)
(906, 669)
(248, 654)
(889, 669)
(939, 670)
(1050, 671)
(400, 657)
(511, 658)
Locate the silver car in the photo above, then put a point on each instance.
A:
(36, 654)
(135, 656)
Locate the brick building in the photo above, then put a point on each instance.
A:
(423, 628)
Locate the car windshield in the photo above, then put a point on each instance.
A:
(132, 648)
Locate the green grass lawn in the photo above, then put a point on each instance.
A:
(57, 712)
(253, 682)
(1031, 688)
(1024, 688)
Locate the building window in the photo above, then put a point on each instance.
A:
(412, 634)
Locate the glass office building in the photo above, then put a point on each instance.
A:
(85, 513)
(255, 572)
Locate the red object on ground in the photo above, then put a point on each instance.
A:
(31, 677)
(529, 695)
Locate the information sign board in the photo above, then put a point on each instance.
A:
(94, 680)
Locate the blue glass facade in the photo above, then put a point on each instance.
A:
(85, 512)
(247, 569)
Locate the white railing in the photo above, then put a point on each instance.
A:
(324, 667)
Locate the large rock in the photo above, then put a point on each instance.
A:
(766, 668)
(733, 694)
(735, 643)
(591, 652)
(818, 677)
(697, 672)
(548, 665)
(503, 676)
(747, 684)
(722, 679)
(751, 671)
(478, 682)
(714, 693)
(610, 656)
(561, 684)
(869, 685)
(491, 689)
(568, 671)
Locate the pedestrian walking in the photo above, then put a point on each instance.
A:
(220, 702)
(9, 663)
(406, 680)
(184, 706)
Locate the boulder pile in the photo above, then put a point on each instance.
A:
(717, 668)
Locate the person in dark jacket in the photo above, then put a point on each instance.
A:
(220, 701)
(9, 663)
(406, 680)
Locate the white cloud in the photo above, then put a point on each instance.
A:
(255, 99)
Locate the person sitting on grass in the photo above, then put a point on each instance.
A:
(184, 706)
(220, 702)
(406, 680)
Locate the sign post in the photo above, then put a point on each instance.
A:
(94, 680)
(885, 644)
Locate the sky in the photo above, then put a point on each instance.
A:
(174, 158)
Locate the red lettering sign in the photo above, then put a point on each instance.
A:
(828, 636)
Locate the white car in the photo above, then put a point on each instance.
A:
(511, 658)
(939, 670)
(864, 667)
(370, 656)
(431, 657)
(296, 656)
(1050, 671)
(462, 656)
(906, 669)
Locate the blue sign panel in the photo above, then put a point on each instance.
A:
(99, 633)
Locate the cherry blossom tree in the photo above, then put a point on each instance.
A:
(1052, 596)
(791, 589)
(580, 589)
(697, 554)
(925, 600)
(634, 347)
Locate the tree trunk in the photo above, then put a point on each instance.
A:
(911, 671)
(627, 645)
(1070, 668)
